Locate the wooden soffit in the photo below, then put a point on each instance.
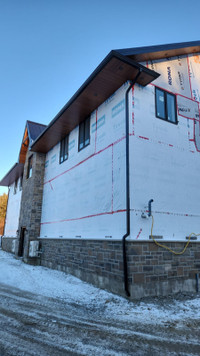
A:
(103, 82)
(24, 147)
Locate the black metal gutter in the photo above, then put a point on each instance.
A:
(127, 186)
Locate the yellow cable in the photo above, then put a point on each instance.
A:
(166, 247)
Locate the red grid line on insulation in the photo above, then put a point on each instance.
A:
(51, 186)
(144, 138)
(159, 142)
(189, 76)
(109, 146)
(139, 233)
(186, 117)
(84, 217)
(194, 137)
(86, 159)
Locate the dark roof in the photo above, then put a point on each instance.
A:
(14, 173)
(34, 129)
(112, 72)
(160, 51)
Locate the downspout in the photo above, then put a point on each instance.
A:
(127, 185)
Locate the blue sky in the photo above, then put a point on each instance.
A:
(50, 47)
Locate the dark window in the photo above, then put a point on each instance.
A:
(166, 106)
(20, 183)
(15, 186)
(84, 134)
(64, 149)
(30, 167)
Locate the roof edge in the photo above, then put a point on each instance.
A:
(18, 167)
(157, 48)
(110, 55)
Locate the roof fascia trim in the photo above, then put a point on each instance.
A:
(10, 171)
(156, 48)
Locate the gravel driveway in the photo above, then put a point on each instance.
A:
(49, 313)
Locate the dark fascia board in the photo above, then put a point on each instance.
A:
(14, 173)
(162, 51)
(112, 54)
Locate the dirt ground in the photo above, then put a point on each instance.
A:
(32, 324)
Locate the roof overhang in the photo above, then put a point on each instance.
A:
(24, 146)
(143, 54)
(112, 73)
(31, 132)
(14, 173)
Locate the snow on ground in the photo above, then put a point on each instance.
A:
(56, 284)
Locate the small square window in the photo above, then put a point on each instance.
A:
(64, 149)
(166, 106)
(84, 134)
(30, 167)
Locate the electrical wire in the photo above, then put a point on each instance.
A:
(166, 247)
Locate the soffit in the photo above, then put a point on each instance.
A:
(112, 73)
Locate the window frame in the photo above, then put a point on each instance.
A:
(84, 124)
(166, 93)
(64, 149)
(30, 167)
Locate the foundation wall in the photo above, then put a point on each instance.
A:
(151, 270)
(6, 243)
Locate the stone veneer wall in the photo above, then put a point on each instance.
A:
(6, 243)
(151, 270)
(31, 201)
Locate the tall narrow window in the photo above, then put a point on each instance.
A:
(20, 182)
(64, 149)
(30, 167)
(166, 106)
(15, 186)
(84, 134)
